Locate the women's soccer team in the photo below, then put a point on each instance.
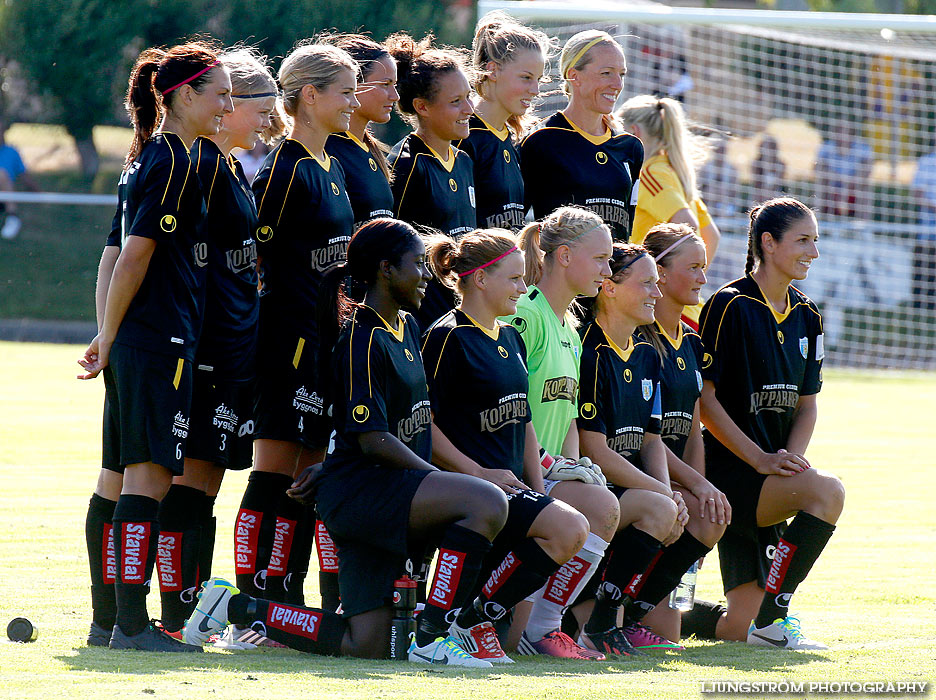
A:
(485, 344)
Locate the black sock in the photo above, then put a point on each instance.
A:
(327, 552)
(630, 553)
(100, 541)
(304, 629)
(523, 571)
(287, 522)
(702, 620)
(461, 554)
(136, 531)
(297, 568)
(180, 517)
(665, 574)
(206, 542)
(253, 529)
(797, 551)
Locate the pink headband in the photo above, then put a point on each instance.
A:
(670, 249)
(188, 80)
(488, 264)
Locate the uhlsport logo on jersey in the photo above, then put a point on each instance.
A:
(561, 584)
(448, 573)
(264, 233)
(681, 363)
(628, 376)
(305, 623)
(283, 533)
(520, 324)
(246, 534)
(804, 347)
(506, 156)
(409, 355)
(646, 389)
(502, 351)
(169, 560)
(372, 164)
(308, 403)
(588, 411)
(136, 537)
(180, 425)
(707, 360)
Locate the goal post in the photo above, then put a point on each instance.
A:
(836, 109)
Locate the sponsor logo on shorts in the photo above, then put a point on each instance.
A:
(304, 623)
(246, 532)
(778, 569)
(246, 428)
(501, 574)
(110, 558)
(169, 561)
(225, 418)
(326, 548)
(305, 402)
(136, 538)
(561, 584)
(180, 425)
(283, 534)
(448, 573)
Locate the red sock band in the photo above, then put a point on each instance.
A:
(246, 534)
(283, 534)
(561, 584)
(169, 561)
(326, 549)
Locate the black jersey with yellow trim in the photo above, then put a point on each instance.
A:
(562, 165)
(305, 224)
(159, 197)
(681, 385)
(368, 188)
(478, 387)
(380, 386)
(619, 395)
(760, 361)
(430, 191)
(497, 177)
(228, 342)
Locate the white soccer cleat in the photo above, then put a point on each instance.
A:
(234, 639)
(782, 634)
(444, 651)
(211, 613)
(481, 642)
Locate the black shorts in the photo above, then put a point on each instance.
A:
(366, 510)
(146, 409)
(746, 556)
(290, 403)
(222, 421)
(522, 509)
(740, 483)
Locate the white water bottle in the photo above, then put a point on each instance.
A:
(683, 596)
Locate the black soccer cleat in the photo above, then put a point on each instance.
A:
(99, 636)
(150, 639)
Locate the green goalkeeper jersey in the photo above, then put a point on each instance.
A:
(553, 351)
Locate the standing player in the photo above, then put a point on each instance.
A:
(680, 257)
(433, 184)
(619, 426)
(377, 492)
(149, 322)
(761, 373)
(566, 255)
(221, 432)
(486, 431)
(305, 222)
(508, 60)
(582, 147)
(361, 155)
(668, 192)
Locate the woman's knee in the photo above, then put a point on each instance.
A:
(486, 504)
(649, 511)
(825, 497)
(564, 530)
(704, 530)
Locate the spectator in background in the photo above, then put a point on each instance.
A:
(252, 160)
(843, 170)
(923, 290)
(11, 170)
(718, 181)
(767, 171)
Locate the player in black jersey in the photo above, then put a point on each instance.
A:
(478, 385)
(761, 373)
(377, 492)
(150, 304)
(432, 181)
(583, 147)
(680, 256)
(367, 174)
(221, 425)
(508, 61)
(305, 222)
(619, 426)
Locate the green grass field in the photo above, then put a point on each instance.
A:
(871, 596)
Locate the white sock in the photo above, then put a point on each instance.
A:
(563, 587)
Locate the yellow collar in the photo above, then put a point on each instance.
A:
(325, 162)
(778, 316)
(396, 332)
(500, 134)
(355, 139)
(625, 352)
(597, 140)
(447, 164)
(674, 342)
(493, 334)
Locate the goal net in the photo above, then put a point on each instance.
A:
(835, 109)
